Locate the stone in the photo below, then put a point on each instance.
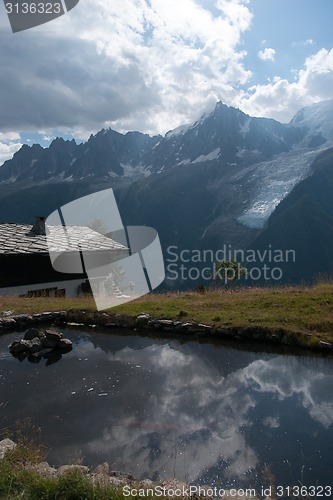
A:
(19, 346)
(8, 322)
(32, 333)
(165, 324)
(65, 345)
(5, 446)
(102, 469)
(123, 320)
(45, 470)
(35, 345)
(121, 475)
(146, 483)
(201, 329)
(68, 469)
(51, 334)
(34, 358)
(48, 343)
(101, 480)
(23, 319)
(188, 326)
(52, 357)
(142, 319)
(7, 313)
(49, 315)
(325, 345)
(116, 481)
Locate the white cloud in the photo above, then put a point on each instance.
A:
(129, 64)
(135, 65)
(7, 150)
(9, 144)
(281, 99)
(267, 54)
(9, 136)
(276, 377)
(309, 41)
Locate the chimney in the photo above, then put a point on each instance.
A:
(39, 226)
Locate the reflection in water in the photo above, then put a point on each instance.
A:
(159, 408)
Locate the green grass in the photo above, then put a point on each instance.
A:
(18, 480)
(297, 309)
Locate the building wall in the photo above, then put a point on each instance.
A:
(51, 289)
(30, 269)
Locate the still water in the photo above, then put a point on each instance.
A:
(159, 408)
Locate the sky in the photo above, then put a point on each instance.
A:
(152, 65)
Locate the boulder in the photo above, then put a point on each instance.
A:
(65, 345)
(325, 345)
(19, 347)
(32, 333)
(6, 445)
(51, 334)
(8, 323)
(34, 358)
(43, 469)
(68, 469)
(121, 475)
(102, 469)
(146, 483)
(38, 344)
(48, 343)
(142, 319)
(35, 345)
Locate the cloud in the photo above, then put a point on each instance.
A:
(128, 64)
(10, 136)
(281, 99)
(266, 54)
(9, 144)
(135, 65)
(276, 377)
(309, 41)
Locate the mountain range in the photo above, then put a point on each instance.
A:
(227, 179)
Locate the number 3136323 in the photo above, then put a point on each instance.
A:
(33, 8)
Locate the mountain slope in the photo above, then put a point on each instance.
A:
(202, 186)
(303, 222)
(317, 121)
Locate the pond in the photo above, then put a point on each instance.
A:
(158, 408)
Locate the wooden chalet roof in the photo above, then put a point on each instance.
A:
(19, 239)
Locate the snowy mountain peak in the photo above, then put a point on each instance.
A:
(318, 119)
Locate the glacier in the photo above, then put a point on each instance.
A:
(272, 181)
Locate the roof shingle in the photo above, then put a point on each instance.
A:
(18, 239)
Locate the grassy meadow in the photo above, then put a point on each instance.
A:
(297, 309)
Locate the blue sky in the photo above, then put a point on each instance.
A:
(295, 29)
(153, 65)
